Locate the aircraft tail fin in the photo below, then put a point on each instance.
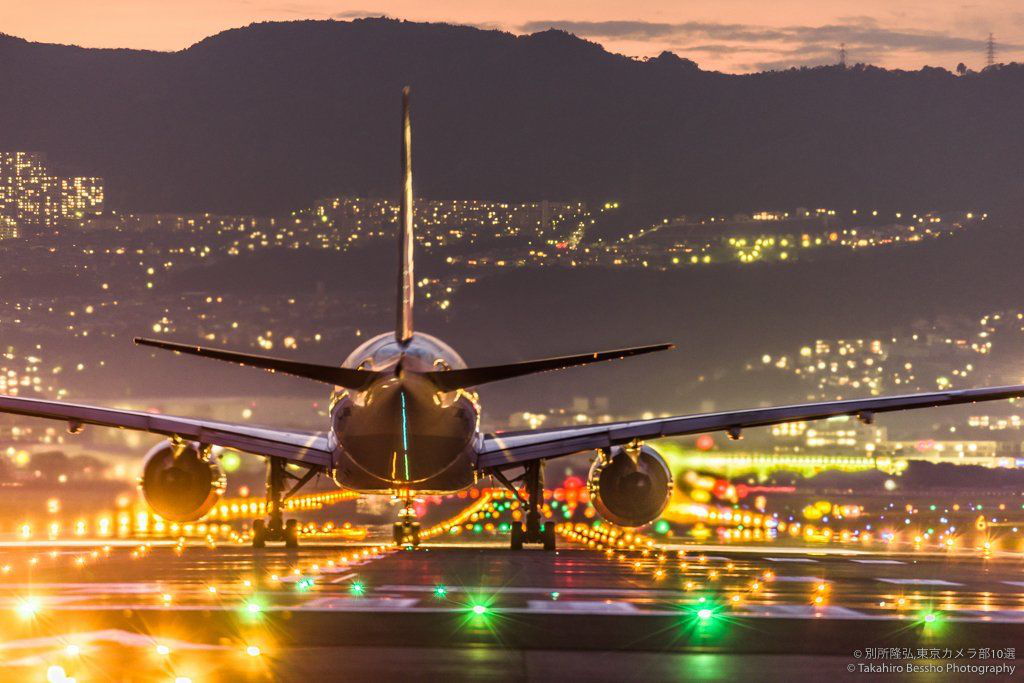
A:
(406, 281)
(328, 374)
(450, 380)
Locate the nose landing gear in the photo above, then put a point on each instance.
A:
(406, 531)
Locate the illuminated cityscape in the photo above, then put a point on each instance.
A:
(806, 463)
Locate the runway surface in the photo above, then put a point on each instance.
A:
(475, 610)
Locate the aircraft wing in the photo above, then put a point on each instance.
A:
(498, 451)
(309, 449)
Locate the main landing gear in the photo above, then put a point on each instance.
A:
(275, 528)
(531, 529)
(406, 531)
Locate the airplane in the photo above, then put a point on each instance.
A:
(405, 420)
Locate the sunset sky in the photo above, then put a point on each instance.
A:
(726, 35)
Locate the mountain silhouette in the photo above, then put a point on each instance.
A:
(268, 117)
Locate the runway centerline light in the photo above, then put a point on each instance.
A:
(440, 591)
(56, 674)
(252, 651)
(163, 650)
(28, 608)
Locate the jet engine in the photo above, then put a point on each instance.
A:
(630, 486)
(181, 481)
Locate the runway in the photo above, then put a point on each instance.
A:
(465, 609)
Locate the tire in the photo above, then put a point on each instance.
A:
(548, 533)
(517, 536)
(259, 534)
(291, 534)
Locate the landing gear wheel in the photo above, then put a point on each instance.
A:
(517, 536)
(291, 534)
(406, 533)
(548, 534)
(259, 534)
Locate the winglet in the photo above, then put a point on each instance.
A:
(406, 284)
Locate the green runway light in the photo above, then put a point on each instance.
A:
(705, 614)
(554, 595)
(303, 585)
(479, 610)
(929, 618)
(662, 527)
(440, 591)
(357, 588)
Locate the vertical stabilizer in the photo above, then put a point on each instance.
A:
(406, 284)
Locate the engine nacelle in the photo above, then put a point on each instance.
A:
(627, 491)
(180, 482)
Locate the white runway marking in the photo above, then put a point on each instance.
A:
(991, 615)
(346, 577)
(1018, 584)
(790, 559)
(528, 590)
(778, 550)
(359, 604)
(97, 587)
(582, 607)
(799, 579)
(878, 561)
(805, 611)
(921, 582)
(126, 638)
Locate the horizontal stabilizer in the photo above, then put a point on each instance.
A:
(342, 377)
(450, 380)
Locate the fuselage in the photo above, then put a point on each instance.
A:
(401, 434)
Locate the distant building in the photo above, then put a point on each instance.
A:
(81, 196)
(31, 193)
(836, 433)
(8, 228)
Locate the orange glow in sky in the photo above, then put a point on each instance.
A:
(726, 35)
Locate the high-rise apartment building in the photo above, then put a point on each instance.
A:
(32, 194)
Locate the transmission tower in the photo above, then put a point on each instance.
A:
(842, 55)
(990, 50)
